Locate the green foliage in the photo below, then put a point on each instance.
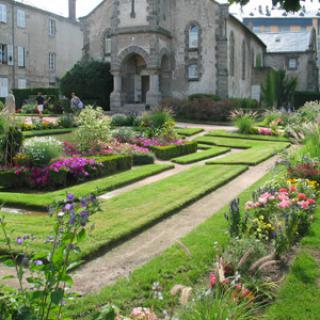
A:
(93, 130)
(24, 94)
(159, 123)
(244, 124)
(124, 134)
(278, 90)
(41, 150)
(245, 103)
(67, 120)
(122, 120)
(91, 80)
(197, 96)
(11, 139)
(115, 163)
(28, 109)
(173, 151)
(301, 97)
(143, 158)
(48, 272)
(1, 106)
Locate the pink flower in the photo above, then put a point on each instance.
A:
(143, 314)
(311, 201)
(213, 280)
(304, 204)
(282, 197)
(265, 131)
(264, 198)
(284, 204)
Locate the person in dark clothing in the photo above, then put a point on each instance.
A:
(40, 102)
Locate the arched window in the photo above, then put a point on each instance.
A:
(194, 32)
(232, 53)
(244, 58)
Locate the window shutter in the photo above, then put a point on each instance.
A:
(21, 57)
(21, 18)
(22, 83)
(10, 55)
(4, 87)
(3, 13)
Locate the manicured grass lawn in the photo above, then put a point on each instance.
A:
(172, 267)
(42, 200)
(299, 296)
(202, 155)
(136, 210)
(204, 146)
(252, 156)
(48, 132)
(188, 132)
(227, 142)
(235, 135)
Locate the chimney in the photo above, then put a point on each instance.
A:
(72, 10)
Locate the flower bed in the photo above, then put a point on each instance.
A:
(64, 172)
(173, 151)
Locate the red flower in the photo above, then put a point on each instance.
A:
(293, 188)
(311, 201)
(283, 190)
(302, 196)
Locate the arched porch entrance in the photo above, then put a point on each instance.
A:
(135, 79)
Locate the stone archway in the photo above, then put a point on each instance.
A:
(135, 79)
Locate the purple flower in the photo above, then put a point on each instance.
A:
(38, 262)
(72, 218)
(93, 197)
(70, 197)
(84, 214)
(26, 237)
(68, 207)
(19, 241)
(83, 202)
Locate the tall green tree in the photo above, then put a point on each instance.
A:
(288, 5)
(91, 80)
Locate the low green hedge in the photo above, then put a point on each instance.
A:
(174, 151)
(143, 158)
(115, 163)
(9, 179)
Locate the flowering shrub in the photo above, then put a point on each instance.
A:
(265, 131)
(41, 150)
(47, 290)
(305, 169)
(279, 216)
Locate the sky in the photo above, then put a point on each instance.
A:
(85, 6)
(61, 6)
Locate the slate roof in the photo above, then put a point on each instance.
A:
(278, 42)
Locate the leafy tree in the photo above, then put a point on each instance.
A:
(288, 5)
(278, 90)
(91, 80)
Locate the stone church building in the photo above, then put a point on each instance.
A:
(171, 48)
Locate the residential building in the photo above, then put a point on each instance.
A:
(295, 52)
(36, 47)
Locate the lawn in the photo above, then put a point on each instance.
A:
(128, 213)
(188, 132)
(172, 267)
(235, 135)
(41, 201)
(254, 155)
(48, 132)
(202, 155)
(227, 142)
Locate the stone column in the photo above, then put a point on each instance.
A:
(116, 95)
(154, 95)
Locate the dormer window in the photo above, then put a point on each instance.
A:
(194, 32)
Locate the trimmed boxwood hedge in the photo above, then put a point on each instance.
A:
(111, 165)
(142, 159)
(174, 151)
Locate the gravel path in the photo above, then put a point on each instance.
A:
(122, 260)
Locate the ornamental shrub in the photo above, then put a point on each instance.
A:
(124, 134)
(41, 150)
(121, 120)
(67, 120)
(28, 108)
(173, 151)
(93, 130)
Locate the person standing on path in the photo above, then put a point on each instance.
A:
(40, 103)
(76, 103)
(10, 104)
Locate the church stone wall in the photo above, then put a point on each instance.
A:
(240, 86)
(94, 28)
